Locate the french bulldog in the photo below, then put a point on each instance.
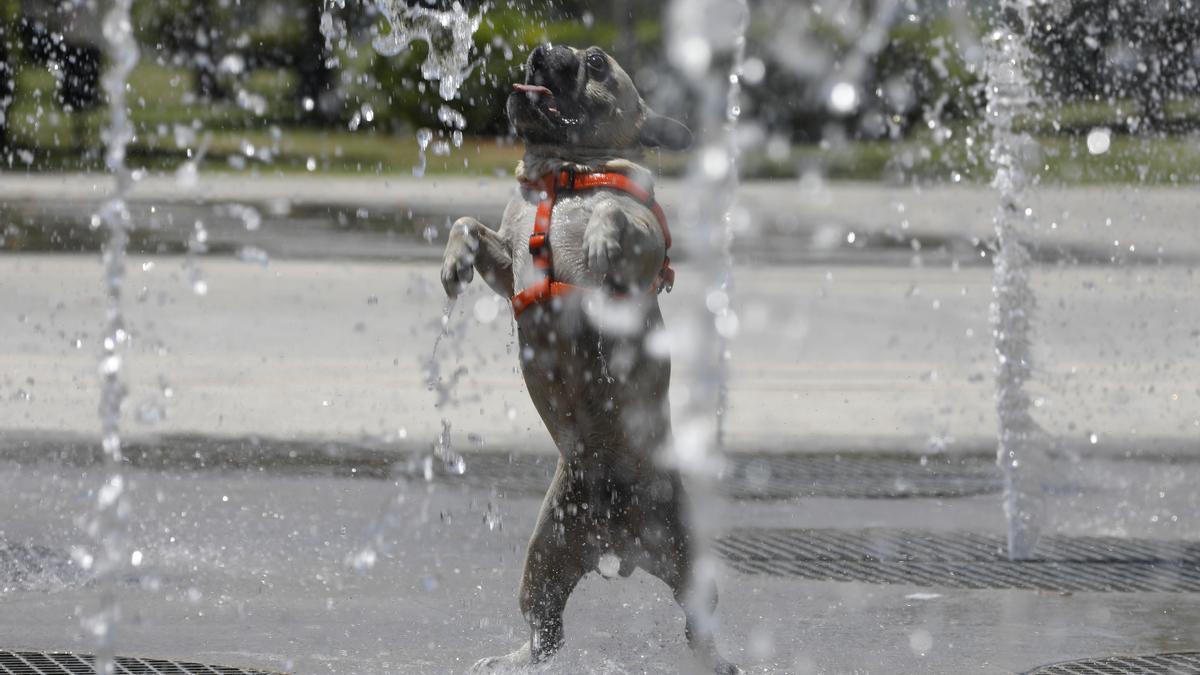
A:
(586, 304)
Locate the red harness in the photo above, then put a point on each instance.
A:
(539, 242)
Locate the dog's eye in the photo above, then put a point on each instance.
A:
(597, 64)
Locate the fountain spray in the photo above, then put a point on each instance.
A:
(707, 44)
(106, 525)
(1013, 303)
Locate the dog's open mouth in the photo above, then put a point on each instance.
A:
(543, 100)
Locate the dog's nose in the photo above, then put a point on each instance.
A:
(553, 62)
(537, 58)
(560, 60)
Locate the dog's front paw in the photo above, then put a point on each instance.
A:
(458, 262)
(602, 244)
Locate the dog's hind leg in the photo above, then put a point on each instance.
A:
(559, 555)
(670, 556)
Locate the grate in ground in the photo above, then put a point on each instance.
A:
(965, 560)
(66, 663)
(1177, 663)
(779, 476)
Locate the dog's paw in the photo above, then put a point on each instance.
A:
(602, 244)
(517, 662)
(458, 262)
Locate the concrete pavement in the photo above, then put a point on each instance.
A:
(830, 357)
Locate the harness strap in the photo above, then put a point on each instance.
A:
(543, 290)
(539, 241)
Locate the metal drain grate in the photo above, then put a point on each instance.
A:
(965, 560)
(778, 476)
(860, 475)
(1180, 663)
(63, 663)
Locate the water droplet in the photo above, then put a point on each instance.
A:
(111, 491)
(451, 117)
(714, 160)
(843, 98)
(111, 365)
(609, 565)
(486, 309)
(364, 559)
(1098, 140)
(920, 641)
(692, 55)
(727, 324)
(250, 217)
(253, 254)
(716, 301)
(753, 70)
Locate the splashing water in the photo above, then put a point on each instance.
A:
(105, 527)
(448, 33)
(1013, 301)
(443, 448)
(702, 35)
(709, 208)
(443, 453)
(423, 138)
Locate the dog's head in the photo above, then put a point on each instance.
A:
(583, 98)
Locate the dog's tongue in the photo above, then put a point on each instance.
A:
(532, 89)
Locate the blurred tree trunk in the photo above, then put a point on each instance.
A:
(7, 77)
(204, 52)
(10, 50)
(316, 77)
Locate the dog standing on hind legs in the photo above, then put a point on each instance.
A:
(581, 252)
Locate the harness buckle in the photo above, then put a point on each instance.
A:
(566, 179)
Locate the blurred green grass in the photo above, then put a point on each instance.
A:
(265, 119)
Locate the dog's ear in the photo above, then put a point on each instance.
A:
(660, 131)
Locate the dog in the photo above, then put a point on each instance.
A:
(581, 252)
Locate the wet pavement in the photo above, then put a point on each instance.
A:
(808, 221)
(251, 568)
(279, 421)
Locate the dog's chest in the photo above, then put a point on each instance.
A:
(568, 222)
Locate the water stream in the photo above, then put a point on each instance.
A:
(106, 528)
(449, 35)
(1013, 303)
(706, 42)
